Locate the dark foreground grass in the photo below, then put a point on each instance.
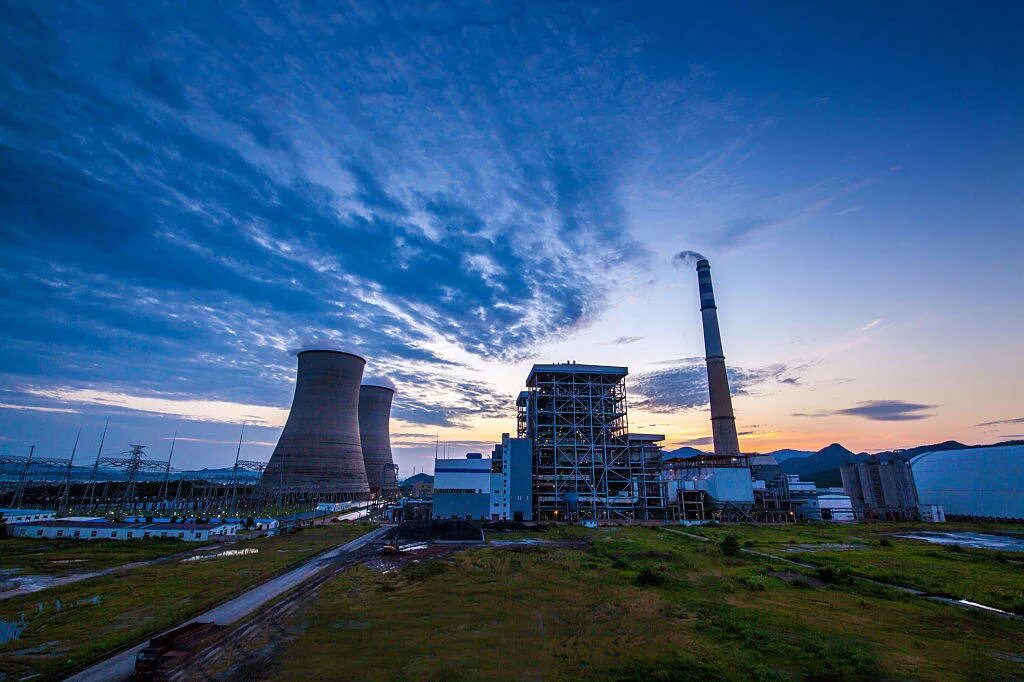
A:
(636, 604)
(19, 556)
(68, 625)
(990, 577)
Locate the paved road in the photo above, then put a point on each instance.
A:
(121, 666)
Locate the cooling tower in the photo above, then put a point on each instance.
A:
(319, 452)
(374, 429)
(723, 422)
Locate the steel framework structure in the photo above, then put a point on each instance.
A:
(583, 465)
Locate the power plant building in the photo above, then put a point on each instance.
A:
(319, 455)
(462, 488)
(375, 438)
(583, 466)
(975, 482)
(881, 489)
(512, 480)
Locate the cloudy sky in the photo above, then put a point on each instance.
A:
(189, 191)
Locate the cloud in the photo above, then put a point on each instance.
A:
(624, 340)
(38, 408)
(878, 410)
(872, 324)
(684, 385)
(175, 223)
(1000, 422)
(196, 410)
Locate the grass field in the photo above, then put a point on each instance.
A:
(632, 604)
(65, 626)
(989, 577)
(60, 557)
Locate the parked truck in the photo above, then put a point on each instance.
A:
(170, 650)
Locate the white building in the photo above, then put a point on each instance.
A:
(462, 488)
(111, 530)
(23, 515)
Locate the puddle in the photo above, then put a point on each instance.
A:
(10, 630)
(822, 547)
(96, 600)
(1003, 543)
(226, 553)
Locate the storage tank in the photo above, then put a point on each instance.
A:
(319, 454)
(985, 482)
(375, 434)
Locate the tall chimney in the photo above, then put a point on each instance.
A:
(723, 422)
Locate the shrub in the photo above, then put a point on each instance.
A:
(833, 575)
(884, 542)
(649, 577)
(757, 582)
(730, 545)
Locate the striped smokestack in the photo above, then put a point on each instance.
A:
(723, 422)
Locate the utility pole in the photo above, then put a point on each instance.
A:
(64, 497)
(96, 466)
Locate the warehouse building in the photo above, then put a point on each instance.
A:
(112, 530)
(25, 515)
(983, 482)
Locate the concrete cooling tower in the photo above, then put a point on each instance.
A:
(374, 428)
(319, 454)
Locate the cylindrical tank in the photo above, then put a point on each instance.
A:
(319, 452)
(375, 431)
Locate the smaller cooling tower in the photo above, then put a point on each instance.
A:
(375, 431)
(319, 453)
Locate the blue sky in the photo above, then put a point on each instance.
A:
(190, 191)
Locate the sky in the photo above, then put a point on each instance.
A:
(191, 191)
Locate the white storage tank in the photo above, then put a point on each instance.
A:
(980, 482)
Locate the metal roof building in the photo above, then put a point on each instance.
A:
(981, 482)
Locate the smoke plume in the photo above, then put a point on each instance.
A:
(686, 259)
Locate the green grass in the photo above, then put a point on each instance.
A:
(60, 557)
(71, 624)
(989, 577)
(632, 604)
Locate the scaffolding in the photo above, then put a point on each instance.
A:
(583, 464)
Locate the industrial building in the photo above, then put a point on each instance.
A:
(985, 482)
(881, 489)
(112, 530)
(462, 488)
(512, 480)
(583, 465)
(375, 438)
(319, 456)
(25, 515)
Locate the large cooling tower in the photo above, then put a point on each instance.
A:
(319, 452)
(723, 422)
(374, 428)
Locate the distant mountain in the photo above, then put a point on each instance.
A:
(910, 453)
(682, 453)
(830, 457)
(784, 454)
(418, 478)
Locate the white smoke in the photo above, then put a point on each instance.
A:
(686, 259)
(379, 380)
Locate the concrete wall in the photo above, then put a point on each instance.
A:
(475, 506)
(375, 435)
